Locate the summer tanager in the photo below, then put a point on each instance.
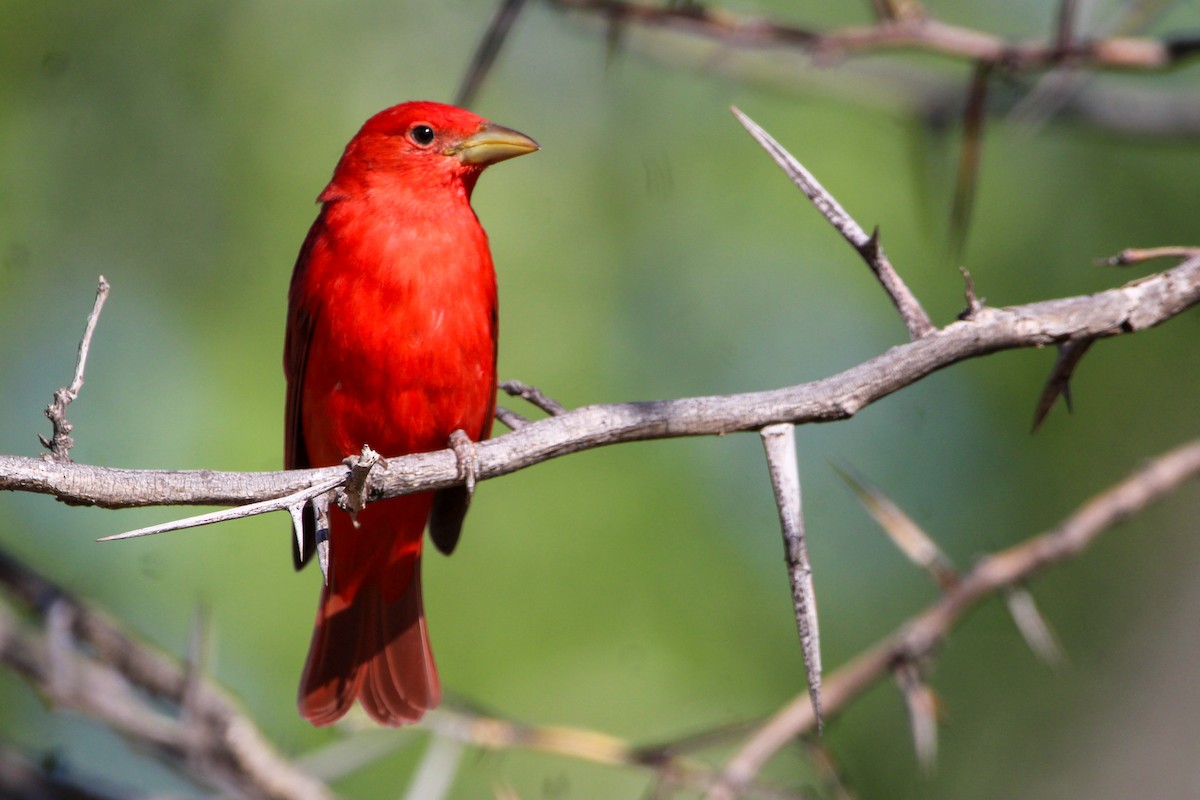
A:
(391, 342)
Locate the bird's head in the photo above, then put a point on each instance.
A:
(423, 144)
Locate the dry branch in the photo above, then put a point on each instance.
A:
(868, 247)
(1135, 306)
(86, 662)
(710, 39)
(60, 442)
(919, 637)
(912, 32)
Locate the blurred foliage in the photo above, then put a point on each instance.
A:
(650, 250)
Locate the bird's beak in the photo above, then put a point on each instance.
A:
(493, 143)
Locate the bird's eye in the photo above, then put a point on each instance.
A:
(422, 135)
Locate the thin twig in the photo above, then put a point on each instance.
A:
(534, 396)
(435, 774)
(868, 247)
(488, 49)
(100, 670)
(920, 635)
(966, 183)
(510, 419)
(974, 303)
(1064, 31)
(914, 32)
(494, 733)
(1138, 255)
(60, 442)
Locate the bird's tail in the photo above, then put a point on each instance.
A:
(370, 644)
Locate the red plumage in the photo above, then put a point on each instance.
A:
(391, 342)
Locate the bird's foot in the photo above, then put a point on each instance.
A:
(467, 454)
(353, 496)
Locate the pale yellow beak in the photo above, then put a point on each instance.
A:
(493, 143)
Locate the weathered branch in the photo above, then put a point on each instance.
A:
(487, 51)
(1136, 306)
(912, 32)
(60, 442)
(85, 662)
(88, 663)
(711, 40)
(868, 247)
(920, 636)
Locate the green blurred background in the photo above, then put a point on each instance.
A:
(650, 250)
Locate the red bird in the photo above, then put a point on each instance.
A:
(391, 342)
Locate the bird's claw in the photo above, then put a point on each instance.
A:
(467, 455)
(353, 496)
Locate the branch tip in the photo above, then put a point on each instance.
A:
(61, 441)
(916, 321)
(534, 396)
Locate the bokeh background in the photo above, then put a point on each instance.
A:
(650, 250)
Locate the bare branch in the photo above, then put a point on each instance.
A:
(779, 441)
(60, 442)
(1064, 33)
(913, 32)
(735, 44)
(921, 634)
(493, 733)
(534, 396)
(1136, 306)
(488, 49)
(966, 183)
(20, 778)
(1137, 255)
(95, 667)
(914, 316)
(510, 419)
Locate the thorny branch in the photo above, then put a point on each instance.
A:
(226, 749)
(868, 247)
(920, 636)
(909, 32)
(85, 662)
(218, 746)
(1138, 305)
(88, 663)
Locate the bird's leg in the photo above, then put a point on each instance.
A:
(467, 454)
